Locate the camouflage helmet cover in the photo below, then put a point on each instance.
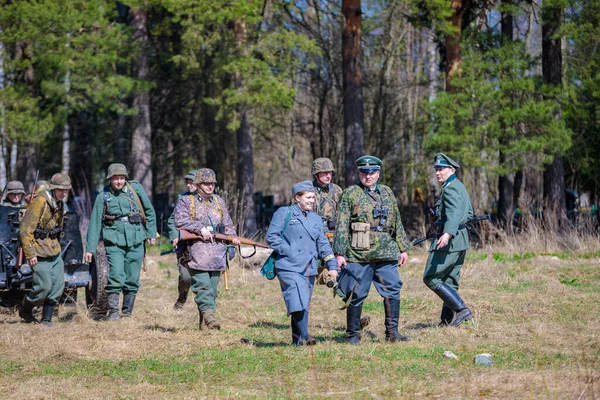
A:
(15, 187)
(205, 175)
(322, 164)
(117, 169)
(60, 181)
(191, 175)
(41, 186)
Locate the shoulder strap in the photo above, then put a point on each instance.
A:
(287, 220)
(193, 211)
(137, 200)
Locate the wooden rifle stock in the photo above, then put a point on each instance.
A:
(187, 235)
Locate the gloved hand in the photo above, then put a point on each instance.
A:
(206, 234)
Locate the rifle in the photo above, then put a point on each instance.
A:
(164, 253)
(187, 235)
(436, 228)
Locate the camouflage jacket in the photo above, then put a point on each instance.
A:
(356, 205)
(45, 212)
(173, 232)
(327, 199)
(193, 213)
(120, 204)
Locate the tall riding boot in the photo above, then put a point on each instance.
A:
(392, 315)
(128, 302)
(300, 319)
(210, 320)
(183, 295)
(295, 330)
(353, 324)
(113, 306)
(453, 300)
(26, 311)
(47, 312)
(446, 316)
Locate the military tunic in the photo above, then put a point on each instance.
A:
(387, 240)
(49, 273)
(207, 259)
(327, 199)
(123, 240)
(453, 209)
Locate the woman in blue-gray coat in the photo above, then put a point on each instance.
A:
(296, 234)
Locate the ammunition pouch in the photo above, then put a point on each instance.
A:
(54, 233)
(220, 228)
(136, 219)
(360, 235)
(183, 253)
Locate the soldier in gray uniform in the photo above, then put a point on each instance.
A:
(185, 281)
(13, 195)
(447, 252)
(370, 242)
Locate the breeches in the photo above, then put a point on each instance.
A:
(444, 267)
(384, 275)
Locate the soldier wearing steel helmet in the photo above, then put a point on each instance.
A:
(184, 276)
(327, 196)
(124, 215)
(41, 230)
(14, 195)
(205, 214)
(369, 243)
(447, 252)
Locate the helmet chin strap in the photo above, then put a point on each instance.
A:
(202, 193)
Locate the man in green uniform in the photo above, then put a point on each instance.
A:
(185, 281)
(41, 230)
(327, 197)
(13, 195)
(124, 215)
(369, 243)
(447, 252)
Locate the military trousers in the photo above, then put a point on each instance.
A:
(185, 279)
(48, 281)
(125, 267)
(444, 267)
(384, 275)
(204, 286)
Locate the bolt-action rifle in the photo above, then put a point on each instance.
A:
(437, 228)
(187, 235)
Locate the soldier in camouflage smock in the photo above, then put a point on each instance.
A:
(369, 243)
(185, 280)
(203, 215)
(327, 197)
(41, 230)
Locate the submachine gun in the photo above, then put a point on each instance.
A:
(437, 228)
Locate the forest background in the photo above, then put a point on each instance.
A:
(256, 90)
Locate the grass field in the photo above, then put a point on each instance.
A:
(536, 312)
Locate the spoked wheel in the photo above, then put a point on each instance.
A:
(95, 296)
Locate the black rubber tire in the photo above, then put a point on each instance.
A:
(95, 296)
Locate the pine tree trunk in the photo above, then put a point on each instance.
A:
(245, 168)
(554, 177)
(353, 93)
(141, 141)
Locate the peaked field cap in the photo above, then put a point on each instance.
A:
(117, 169)
(191, 175)
(304, 186)
(443, 161)
(60, 181)
(205, 175)
(15, 187)
(368, 164)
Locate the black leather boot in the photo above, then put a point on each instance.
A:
(300, 319)
(128, 302)
(26, 311)
(180, 300)
(353, 324)
(392, 315)
(47, 312)
(453, 300)
(113, 306)
(446, 316)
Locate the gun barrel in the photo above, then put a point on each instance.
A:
(187, 235)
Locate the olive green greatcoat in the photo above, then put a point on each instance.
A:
(453, 209)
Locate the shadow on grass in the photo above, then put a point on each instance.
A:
(268, 324)
(420, 326)
(157, 327)
(66, 317)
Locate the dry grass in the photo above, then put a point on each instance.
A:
(536, 312)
